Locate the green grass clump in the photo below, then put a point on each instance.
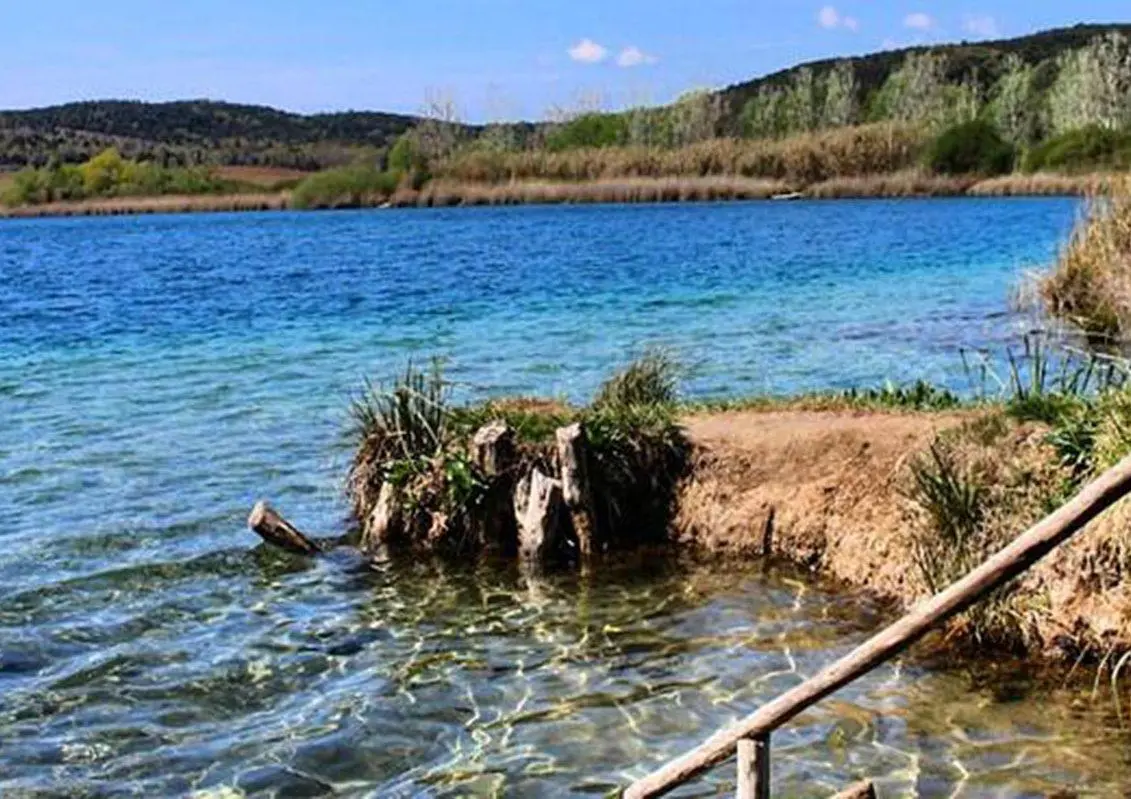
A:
(651, 379)
(345, 187)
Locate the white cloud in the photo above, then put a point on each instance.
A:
(588, 51)
(919, 21)
(980, 25)
(830, 19)
(633, 57)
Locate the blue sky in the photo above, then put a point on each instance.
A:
(495, 58)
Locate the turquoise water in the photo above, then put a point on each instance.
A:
(159, 374)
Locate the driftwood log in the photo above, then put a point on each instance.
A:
(861, 790)
(573, 458)
(266, 522)
(538, 510)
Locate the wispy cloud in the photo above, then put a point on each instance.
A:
(588, 51)
(830, 19)
(919, 21)
(981, 25)
(633, 56)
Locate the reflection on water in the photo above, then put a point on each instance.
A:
(248, 670)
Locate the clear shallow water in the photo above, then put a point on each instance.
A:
(158, 374)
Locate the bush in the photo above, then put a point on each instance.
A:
(972, 147)
(1087, 149)
(345, 187)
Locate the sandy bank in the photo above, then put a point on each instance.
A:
(836, 481)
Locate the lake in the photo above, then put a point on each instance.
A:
(159, 374)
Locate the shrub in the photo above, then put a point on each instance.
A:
(1086, 149)
(344, 187)
(971, 147)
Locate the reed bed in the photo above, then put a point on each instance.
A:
(1090, 286)
(1042, 184)
(165, 204)
(442, 193)
(907, 183)
(807, 158)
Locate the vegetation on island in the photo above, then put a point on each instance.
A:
(414, 441)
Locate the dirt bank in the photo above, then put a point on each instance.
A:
(836, 483)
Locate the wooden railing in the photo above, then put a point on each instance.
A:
(749, 738)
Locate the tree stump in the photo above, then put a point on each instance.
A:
(493, 452)
(573, 457)
(493, 448)
(269, 525)
(386, 521)
(538, 509)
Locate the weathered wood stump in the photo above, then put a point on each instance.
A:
(573, 458)
(269, 525)
(538, 509)
(385, 522)
(493, 452)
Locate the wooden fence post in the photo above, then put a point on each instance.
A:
(754, 768)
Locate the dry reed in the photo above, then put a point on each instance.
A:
(907, 183)
(627, 190)
(118, 206)
(1042, 184)
(805, 158)
(1090, 286)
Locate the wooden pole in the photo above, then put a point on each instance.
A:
(1025, 550)
(274, 529)
(753, 768)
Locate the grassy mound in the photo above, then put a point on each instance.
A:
(413, 439)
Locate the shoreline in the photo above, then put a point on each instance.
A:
(447, 194)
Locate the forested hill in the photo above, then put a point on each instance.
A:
(942, 83)
(978, 63)
(193, 131)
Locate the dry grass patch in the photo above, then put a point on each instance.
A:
(1090, 286)
(908, 183)
(268, 177)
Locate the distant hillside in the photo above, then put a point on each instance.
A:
(193, 131)
(936, 84)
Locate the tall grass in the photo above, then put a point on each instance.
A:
(1090, 286)
(444, 192)
(807, 158)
